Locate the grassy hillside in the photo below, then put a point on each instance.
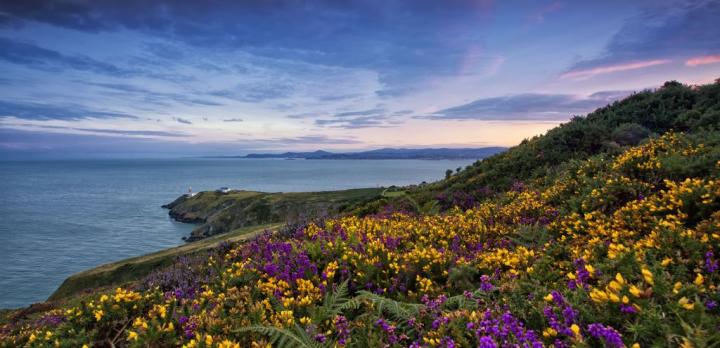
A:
(130, 270)
(222, 212)
(626, 122)
(616, 246)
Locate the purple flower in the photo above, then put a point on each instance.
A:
(628, 309)
(560, 315)
(447, 342)
(320, 338)
(711, 265)
(487, 342)
(492, 330)
(607, 334)
(485, 284)
(342, 328)
(51, 320)
(582, 276)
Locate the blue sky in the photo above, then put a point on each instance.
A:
(173, 78)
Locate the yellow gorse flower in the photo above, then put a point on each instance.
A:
(685, 303)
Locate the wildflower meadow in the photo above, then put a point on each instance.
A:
(615, 251)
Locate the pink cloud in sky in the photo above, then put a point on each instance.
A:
(695, 61)
(587, 73)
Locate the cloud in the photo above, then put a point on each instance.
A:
(607, 69)
(24, 144)
(253, 92)
(369, 118)
(153, 97)
(695, 61)
(360, 113)
(40, 111)
(339, 97)
(374, 121)
(233, 120)
(132, 132)
(100, 131)
(27, 54)
(398, 40)
(316, 139)
(303, 115)
(529, 106)
(658, 33)
(75, 15)
(182, 120)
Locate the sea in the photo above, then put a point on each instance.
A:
(58, 218)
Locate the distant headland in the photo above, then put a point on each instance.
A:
(385, 153)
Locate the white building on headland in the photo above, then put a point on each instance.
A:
(190, 192)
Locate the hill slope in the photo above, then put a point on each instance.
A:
(626, 122)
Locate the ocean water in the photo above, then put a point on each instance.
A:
(61, 217)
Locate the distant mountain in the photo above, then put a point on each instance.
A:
(315, 154)
(386, 153)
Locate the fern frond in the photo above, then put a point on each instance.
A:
(335, 302)
(461, 302)
(337, 297)
(396, 309)
(349, 305)
(281, 337)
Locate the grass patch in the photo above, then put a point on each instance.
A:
(126, 271)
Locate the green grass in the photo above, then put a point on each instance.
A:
(126, 271)
(223, 212)
(393, 194)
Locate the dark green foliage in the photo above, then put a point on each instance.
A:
(463, 278)
(630, 134)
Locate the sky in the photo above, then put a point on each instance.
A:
(185, 78)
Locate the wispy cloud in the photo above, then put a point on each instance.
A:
(315, 140)
(529, 106)
(182, 120)
(153, 97)
(695, 61)
(40, 111)
(608, 69)
(374, 121)
(233, 120)
(98, 131)
(28, 54)
(369, 118)
(376, 111)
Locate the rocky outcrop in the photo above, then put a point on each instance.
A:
(218, 212)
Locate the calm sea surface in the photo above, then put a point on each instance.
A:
(61, 217)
